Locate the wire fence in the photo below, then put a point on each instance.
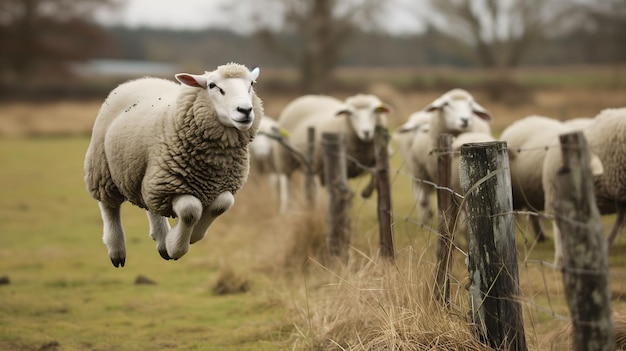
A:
(541, 286)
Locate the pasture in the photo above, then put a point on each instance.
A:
(278, 292)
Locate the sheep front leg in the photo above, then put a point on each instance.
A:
(558, 246)
(113, 234)
(159, 227)
(422, 195)
(220, 205)
(188, 209)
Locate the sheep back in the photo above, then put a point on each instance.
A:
(607, 140)
(529, 139)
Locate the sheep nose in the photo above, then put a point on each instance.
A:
(464, 122)
(245, 111)
(366, 135)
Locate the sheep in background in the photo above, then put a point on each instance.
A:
(262, 148)
(173, 150)
(606, 138)
(262, 153)
(356, 117)
(415, 134)
(455, 112)
(529, 139)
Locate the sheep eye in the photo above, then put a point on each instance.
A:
(213, 85)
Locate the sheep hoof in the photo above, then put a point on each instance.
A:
(118, 261)
(164, 254)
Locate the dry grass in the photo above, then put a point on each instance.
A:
(374, 305)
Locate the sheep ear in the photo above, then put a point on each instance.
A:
(436, 105)
(407, 128)
(343, 112)
(192, 80)
(383, 109)
(255, 73)
(410, 126)
(481, 111)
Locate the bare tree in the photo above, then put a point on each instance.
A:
(312, 34)
(502, 32)
(38, 35)
(601, 30)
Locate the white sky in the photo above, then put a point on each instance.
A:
(198, 14)
(180, 14)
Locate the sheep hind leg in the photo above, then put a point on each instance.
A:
(113, 234)
(159, 227)
(620, 221)
(188, 209)
(535, 222)
(220, 205)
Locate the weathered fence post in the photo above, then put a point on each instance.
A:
(492, 255)
(585, 272)
(309, 180)
(447, 217)
(383, 189)
(339, 193)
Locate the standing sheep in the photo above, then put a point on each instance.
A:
(356, 117)
(262, 153)
(263, 147)
(173, 150)
(455, 112)
(606, 138)
(529, 139)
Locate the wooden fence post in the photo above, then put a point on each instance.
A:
(309, 180)
(585, 272)
(447, 218)
(340, 195)
(492, 255)
(383, 189)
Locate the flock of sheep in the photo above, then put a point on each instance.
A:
(183, 150)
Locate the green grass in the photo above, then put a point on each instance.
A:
(65, 294)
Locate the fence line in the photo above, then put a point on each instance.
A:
(400, 173)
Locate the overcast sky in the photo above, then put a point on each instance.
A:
(197, 14)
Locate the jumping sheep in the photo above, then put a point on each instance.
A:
(455, 112)
(356, 117)
(173, 150)
(606, 138)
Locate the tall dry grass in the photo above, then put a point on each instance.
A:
(365, 304)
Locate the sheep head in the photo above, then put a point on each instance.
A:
(230, 88)
(364, 113)
(456, 109)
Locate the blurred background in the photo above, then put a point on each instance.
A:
(53, 49)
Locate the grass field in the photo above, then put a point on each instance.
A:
(64, 294)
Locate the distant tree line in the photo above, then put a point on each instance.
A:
(40, 37)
